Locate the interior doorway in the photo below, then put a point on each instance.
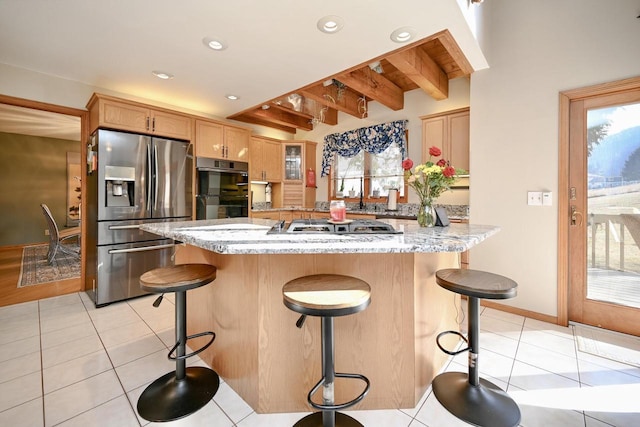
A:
(41, 116)
(600, 211)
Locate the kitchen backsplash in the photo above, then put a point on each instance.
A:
(404, 209)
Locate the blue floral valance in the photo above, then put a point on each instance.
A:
(373, 139)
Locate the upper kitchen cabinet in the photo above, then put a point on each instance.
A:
(450, 132)
(114, 113)
(218, 141)
(299, 164)
(265, 155)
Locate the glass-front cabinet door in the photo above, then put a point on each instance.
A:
(293, 162)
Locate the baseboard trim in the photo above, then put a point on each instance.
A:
(520, 311)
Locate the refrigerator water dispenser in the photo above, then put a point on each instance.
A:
(120, 185)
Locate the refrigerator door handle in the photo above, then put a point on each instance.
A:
(149, 177)
(155, 181)
(142, 249)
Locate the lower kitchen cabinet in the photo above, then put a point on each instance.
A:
(266, 215)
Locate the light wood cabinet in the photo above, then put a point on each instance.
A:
(302, 214)
(319, 215)
(351, 215)
(266, 215)
(298, 157)
(113, 113)
(265, 155)
(218, 141)
(449, 132)
(292, 194)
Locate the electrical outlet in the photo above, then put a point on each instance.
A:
(534, 198)
(46, 231)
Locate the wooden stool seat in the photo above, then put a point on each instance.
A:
(177, 278)
(474, 283)
(184, 391)
(327, 295)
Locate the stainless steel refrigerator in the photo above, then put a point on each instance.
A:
(132, 179)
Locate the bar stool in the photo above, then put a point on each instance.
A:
(468, 397)
(328, 296)
(181, 392)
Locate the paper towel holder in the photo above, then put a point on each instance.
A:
(392, 199)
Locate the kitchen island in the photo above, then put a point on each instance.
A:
(272, 364)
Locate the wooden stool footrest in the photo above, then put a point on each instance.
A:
(335, 407)
(452, 353)
(203, 348)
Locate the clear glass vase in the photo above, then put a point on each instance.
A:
(426, 213)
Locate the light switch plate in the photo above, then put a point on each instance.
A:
(547, 198)
(534, 198)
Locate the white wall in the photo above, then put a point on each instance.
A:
(416, 103)
(34, 86)
(535, 50)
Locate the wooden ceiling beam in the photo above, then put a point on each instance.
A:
(284, 116)
(452, 48)
(420, 68)
(374, 86)
(262, 122)
(348, 102)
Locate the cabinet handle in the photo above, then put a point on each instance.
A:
(153, 129)
(147, 125)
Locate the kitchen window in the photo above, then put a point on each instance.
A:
(374, 174)
(366, 161)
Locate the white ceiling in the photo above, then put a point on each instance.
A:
(27, 121)
(274, 46)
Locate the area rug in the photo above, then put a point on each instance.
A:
(611, 345)
(35, 268)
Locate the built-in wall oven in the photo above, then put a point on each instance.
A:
(222, 189)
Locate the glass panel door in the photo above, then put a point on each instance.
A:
(613, 205)
(293, 162)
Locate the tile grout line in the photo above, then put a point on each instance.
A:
(110, 361)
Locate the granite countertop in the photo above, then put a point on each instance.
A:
(249, 236)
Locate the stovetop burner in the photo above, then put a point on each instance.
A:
(318, 226)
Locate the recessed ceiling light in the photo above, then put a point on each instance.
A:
(214, 43)
(162, 75)
(403, 35)
(232, 97)
(330, 24)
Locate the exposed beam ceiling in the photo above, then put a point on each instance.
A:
(427, 65)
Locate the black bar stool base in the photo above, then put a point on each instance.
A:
(485, 405)
(315, 420)
(168, 399)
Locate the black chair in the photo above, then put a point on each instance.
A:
(58, 239)
(467, 396)
(328, 296)
(184, 391)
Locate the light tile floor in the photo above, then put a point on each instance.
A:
(65, 363)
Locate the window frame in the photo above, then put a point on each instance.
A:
(332, 187)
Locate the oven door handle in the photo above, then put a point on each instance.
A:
(142, 249)
(124, 227)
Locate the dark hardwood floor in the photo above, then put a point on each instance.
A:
(10, 259)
